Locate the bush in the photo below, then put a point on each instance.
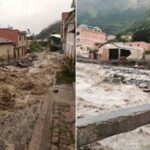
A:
(36, 47)
(67, 73)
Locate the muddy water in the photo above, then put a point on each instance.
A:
(28, 85)
(98, 92)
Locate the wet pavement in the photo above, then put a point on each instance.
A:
(63, 128)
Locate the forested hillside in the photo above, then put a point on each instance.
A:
(53, 28)
(111, 16)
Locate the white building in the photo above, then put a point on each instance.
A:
(70, 36)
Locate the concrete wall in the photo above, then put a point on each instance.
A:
(20, 52)
(104, 55)
(82, 51)
(6, 52)
(22, 44)
(147, 56)
(92, 129)
(22, 40)
(143, 45)
(70, 42)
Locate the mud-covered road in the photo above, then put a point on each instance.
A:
(21, 96)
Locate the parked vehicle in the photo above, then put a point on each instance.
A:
(55, 42)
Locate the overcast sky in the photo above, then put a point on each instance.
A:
(32, 14)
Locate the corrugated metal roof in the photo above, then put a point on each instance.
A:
(5, 41)
(120, 45)
(126, 47)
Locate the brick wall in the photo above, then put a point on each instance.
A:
(90, 37)
(10, 35)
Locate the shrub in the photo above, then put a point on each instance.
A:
(36, 47)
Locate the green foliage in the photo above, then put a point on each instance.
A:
(142, 35)
(36, 47)
(140, 29)
(111, 16)
(120, 39)
(67, 73)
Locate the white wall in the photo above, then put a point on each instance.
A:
(70, 43)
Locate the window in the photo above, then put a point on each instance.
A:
(20, 37)
(78, 33)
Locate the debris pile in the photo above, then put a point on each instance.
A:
(128, 76)
(21, 96)
(7, 98)
(27, 85)
(26, 61)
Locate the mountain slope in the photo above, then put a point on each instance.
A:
(53, 28)
(139, 30)
(109, 15)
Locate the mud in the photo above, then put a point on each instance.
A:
(21, 96)
(104, 88)
(133, 140)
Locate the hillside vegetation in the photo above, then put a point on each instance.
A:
(112, 16)
(53, 28)
(140, 30)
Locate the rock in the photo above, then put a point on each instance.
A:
(116, 80)
(56, 90)
(27, 85)
(143, 85)
(7, 98)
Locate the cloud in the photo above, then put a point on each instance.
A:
(32, 14)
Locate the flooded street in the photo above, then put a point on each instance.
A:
(103, 89)
(21, 96)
